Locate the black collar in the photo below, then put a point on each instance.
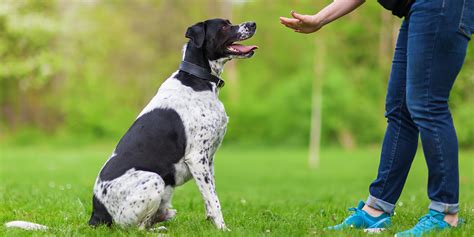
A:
(200, 72)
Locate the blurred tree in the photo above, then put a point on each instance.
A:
(29, 62)
(231, 67)
(317, 97)
(85, 69)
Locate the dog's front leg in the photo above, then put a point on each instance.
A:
(211, 166)
(201, 171)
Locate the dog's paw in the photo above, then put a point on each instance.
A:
(221, 226)
(171, 213)
(167, 215)
(218, 221)
(159, 229)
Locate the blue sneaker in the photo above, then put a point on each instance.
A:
(362, 220)
(433, 221)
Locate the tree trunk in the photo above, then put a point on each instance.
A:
(230, 67)
(385, 39)
(316, 103)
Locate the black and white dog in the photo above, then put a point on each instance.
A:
(175, 137)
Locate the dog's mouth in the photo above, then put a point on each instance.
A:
(239, 49)
(244, 32)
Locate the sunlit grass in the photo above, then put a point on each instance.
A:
(264, 191)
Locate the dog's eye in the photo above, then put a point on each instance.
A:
(226, 27)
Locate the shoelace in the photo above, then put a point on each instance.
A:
(355, 210)
(345, 220)
(425, 222)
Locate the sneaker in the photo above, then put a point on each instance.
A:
(362, 220)
(433, 221)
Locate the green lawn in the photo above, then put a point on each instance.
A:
(263, 191)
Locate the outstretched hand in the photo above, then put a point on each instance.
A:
(302, 23)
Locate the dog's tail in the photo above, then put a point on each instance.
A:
(25, 225)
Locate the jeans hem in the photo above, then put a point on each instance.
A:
(444, 207)
(380, 204)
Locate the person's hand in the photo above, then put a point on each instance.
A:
(302, 23)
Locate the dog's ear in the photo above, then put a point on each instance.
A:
(196, 34)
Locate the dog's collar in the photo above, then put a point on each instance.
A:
(200, 72)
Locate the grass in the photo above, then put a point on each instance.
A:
(263, 191)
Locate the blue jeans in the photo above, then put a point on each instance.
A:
(430, 52)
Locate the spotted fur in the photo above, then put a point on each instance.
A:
(245, 31)
(134, 197)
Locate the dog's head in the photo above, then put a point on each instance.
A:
(217, 38)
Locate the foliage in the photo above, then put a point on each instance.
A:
(82, 70)
(29, 63)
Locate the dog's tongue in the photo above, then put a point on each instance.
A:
(244, 48)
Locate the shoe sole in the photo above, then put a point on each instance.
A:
(374, 230)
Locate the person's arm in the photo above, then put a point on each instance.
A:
(312, 23)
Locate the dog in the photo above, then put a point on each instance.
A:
(173, 139)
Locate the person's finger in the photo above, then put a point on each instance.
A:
(300, 17)
(291, 27)
(289, 20)
(291, 24)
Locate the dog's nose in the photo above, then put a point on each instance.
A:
(252, 25)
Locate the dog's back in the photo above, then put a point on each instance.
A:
(155, 142)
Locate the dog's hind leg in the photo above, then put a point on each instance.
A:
(100, 215)
(165, 211)
(134, 198)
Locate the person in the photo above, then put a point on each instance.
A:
(429, 54)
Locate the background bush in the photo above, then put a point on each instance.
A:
(82, 70)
